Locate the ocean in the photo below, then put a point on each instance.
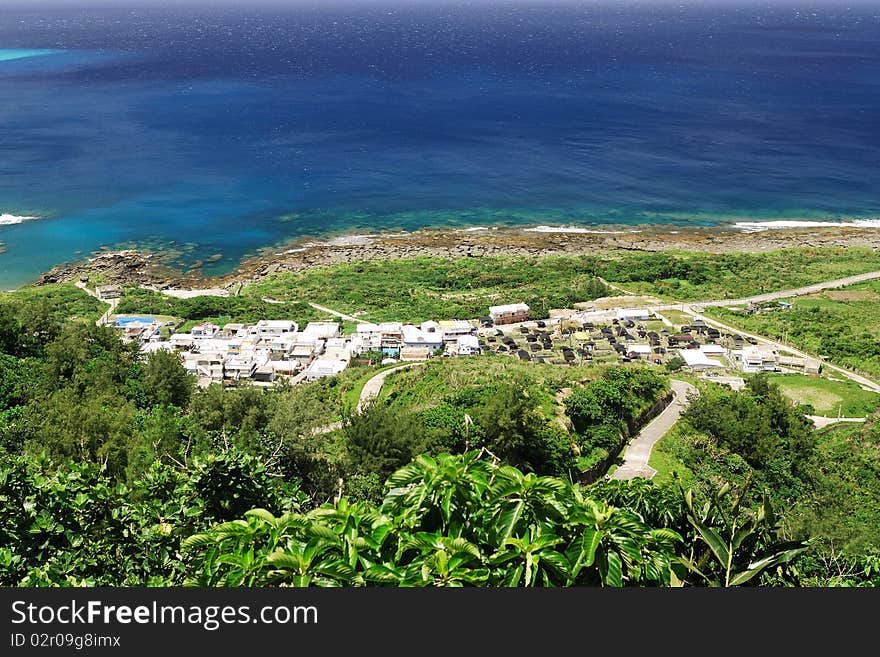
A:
(207, 133)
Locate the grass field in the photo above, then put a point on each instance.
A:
(677, 317)
(419, 289)
(425, 386)
(695, 276)
(434, 288)
(829, 398)
(666, 463)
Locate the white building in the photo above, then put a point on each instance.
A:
(413, 336)
(635, 314)
(207, 365)
(245, 365)
(639, 349)
(303, 353)
(281, 346)
(755, 359)
(320, 331)
(204, 330)
(181, 340)
(324, 367)
(509, 314)
(453, 329)
(268, 328)
(713, 350)
(337, 349)
(697, 360)
(468, 345)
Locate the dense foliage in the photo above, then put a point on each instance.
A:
(460, 474)
(828, 481)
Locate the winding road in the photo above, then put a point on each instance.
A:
(638, 452)
(369, 392)
(372, 387)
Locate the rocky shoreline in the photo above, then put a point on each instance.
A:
(133, 267)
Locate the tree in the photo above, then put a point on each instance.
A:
(98, 427)
(166, 381)
(381, 440)
(511, 426)
(446, 521)
(735, 545)
(675, 363)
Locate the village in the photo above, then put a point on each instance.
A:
(269, 351)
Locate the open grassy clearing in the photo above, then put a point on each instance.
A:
(829, 398)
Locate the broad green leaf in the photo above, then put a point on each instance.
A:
(614, 573)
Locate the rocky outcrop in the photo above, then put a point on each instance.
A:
(147, 269)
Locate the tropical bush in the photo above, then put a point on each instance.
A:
(445, 521)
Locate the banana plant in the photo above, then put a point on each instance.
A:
(738, 544)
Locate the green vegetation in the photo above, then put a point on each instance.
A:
(538, 417)
(828, 480)
(843, 510)
(841, 324)
(669, 468)
(61, 302)
(221, 310)
(700, 276)
(424, 288)
(829, 398)
(116, 470)
(419, 289)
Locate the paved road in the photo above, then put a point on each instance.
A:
(369, 392)
(781, 294)
(335, 313)
(864, 382)
(796, 292)
(374, 385)
(635, 459)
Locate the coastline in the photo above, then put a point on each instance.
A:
(134, 267)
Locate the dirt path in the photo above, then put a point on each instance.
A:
(335, 313)
(112, 302)
(820, 421)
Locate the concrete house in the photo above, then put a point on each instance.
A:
(509, 314)
(468, 345)
(107, 292)
(416, 337)
(324, 367)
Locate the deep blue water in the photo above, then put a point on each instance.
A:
(208, 131)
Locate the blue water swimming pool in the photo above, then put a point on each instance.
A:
(129, 319)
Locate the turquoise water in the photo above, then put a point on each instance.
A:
(210, 134)
(6, 55)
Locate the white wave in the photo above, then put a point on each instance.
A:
(576, 229)
(10, 219)
(757, 226)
